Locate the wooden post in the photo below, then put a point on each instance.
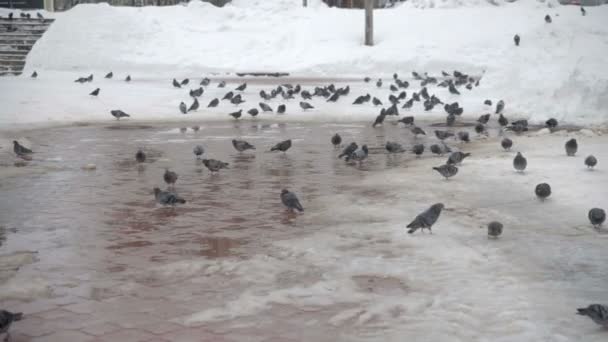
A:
(369, 22)
(305, 3)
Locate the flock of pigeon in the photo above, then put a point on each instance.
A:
(352, 152)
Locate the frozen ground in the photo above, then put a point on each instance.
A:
(87, 255)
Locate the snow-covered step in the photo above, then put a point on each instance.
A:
(15, 45)
(13, 52)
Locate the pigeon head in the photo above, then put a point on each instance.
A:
(364, 148)
(284, 191)
(156, 191)
(15, 142)
(437, 207)
(206, 162)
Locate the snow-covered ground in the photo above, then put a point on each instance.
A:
(558, 71)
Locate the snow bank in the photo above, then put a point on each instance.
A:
(558, 71)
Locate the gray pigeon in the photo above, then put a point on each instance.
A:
(450, 120)
(418, 149)
(427, 219)
(128, 78)
(213, 103)
(119, 114)
(306, 105)
(183, 108)
(34, 74)
(436, 149)
(379, 119)
(442, 135)
(407, 120)
(348, 150)
(167, 197)
(571, 147)
(19, 149)
(417, 130)
(290, 200)
(516, 39)
(590, 161)
(238, 113)
(551, 123)
(484, 119)
(6, 319)
(176, 84)
(464, 136)
(336, 140)
(140, 156)
(457, 157)
(265, 107)
(359, 154)
(194, 105)
(281, 109)
(242, 145)
(214, 165)
(597, 216)
(494, 229)
(170, 177)
(500, 106)
(543, 190)
(506, 143)
(519, 162)
(447, 170)
(502, 120)
(198, 151)
(283, 146)
(393, 147)
(376, 102)
(597, 312)
(95, 92)
(109, 75)
(253, 112)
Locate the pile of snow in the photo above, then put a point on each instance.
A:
(558, 71)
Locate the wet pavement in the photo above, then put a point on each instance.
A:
(99, 240)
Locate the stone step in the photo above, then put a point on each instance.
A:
(16, 47)
(20, 35)
(13, 52)
(37, 31)
(20, 21)
(18, 41)
(11, 73)
(12, 60)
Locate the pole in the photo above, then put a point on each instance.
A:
(369, 22)
(305, 3)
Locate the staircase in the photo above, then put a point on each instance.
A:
(17, 37)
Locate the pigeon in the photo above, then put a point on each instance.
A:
(183, 108)
(520, 162)
(379, 119)
(290, 200)
(229, 95)
(265, 107)
(367, 79)
(427, 219)
(336, 140)
(19, 149)
(283, 146)
(447, 170)
(418, 149)
(6, 319)
(128, 78)
(457, 157)
(214, 165)
(551, 123)
(571, 147)
(176, 84)
(237, 100)
(436, 149)
(205, 82)
(548, 19)
(306, 105)
(494, 229)
(516, 39)
(597, 312)
(185, 81)
(408, 104)
(253, 112)
(197, 92)
(450, 120)
(198, 151)
(281, 109)
(393, 147)
(583, 11)
(417, 130)
(376, 102)
(543, 190)
(34, 74)
(140, 156)
(484, 119)
(506, 144)
(334, 97)
(222, 84)
(167, 197)
(306, 95)
(480, 128)
(242, 87)
(487, 102)
(442, 135)
(348, 150)
(242, 145)
(238, 114)
(590, 161)
(117, 113)
(502, 120)
(89, 78)
(194, 105)
(379, 83)
(392, 110)
(393, 88)
(597, 216)
(81, 80)
(183, 129)
(39, 16)
(464, 136)
(395, 76)
(170, 177)
(500, 106)
(213, 103)
(109, 75)
(453, 89)
(402, 95)
(359, 154)
(407, 120)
